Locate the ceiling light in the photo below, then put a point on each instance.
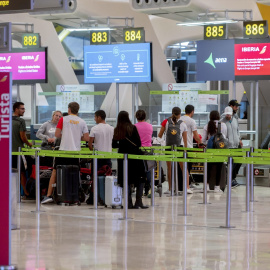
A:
(88, 29)
(201, 23)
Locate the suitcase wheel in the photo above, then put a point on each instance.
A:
(113, 207)
(105, 205)
(122, 206)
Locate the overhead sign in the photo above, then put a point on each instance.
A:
(216, 31)
(255, 29)
(15, 5)
(30, 40)
(119, 63)
(99, 37)
(215, 60)
(5, 145)
(134, 35)
(27, 66)
(252, 59)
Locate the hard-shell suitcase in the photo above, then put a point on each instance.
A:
(68, 182)
(113, 193)
(101, 188)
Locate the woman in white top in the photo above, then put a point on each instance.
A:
(213, 169)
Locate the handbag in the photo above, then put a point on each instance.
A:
(148, 164)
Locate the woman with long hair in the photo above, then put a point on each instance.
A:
(213, 169)
(126, 138)
(175, 131)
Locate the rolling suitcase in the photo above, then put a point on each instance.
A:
(113, 193)
(101, 188)
(68, 182)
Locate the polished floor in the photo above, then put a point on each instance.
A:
(77, 237)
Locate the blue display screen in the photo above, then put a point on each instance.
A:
(118, 63)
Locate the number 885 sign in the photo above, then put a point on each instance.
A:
(215, 31)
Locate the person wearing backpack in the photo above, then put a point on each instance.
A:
(234, 139)
(175, 129)
(209, 132)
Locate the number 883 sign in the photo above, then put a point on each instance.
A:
(216, 31)
(99, 37)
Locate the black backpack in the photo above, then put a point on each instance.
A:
(219, 142)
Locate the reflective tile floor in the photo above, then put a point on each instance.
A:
(77, 237)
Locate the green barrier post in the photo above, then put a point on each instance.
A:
(251, 177)
(19, 164)
(172, 174)
(247, 184)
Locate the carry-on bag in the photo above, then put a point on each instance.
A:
(68, 182)
(113, 193)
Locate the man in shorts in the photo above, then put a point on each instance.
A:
(19, 139)
(72, 130)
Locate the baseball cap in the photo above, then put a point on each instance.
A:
(234, 102)
(228, 110)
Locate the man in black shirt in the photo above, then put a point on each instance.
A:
(19, 138)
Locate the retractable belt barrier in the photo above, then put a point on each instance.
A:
(185, 155)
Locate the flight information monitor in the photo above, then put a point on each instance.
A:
(27, 66)
(252, 59)
(118, 63)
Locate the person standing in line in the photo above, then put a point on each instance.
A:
(231, 120)
(191, 126)
(145, 131)
(175, 130)
(213, 169)
(127, 139)
(47, 131)
(71, 129)
(19, 139)
(101, 135)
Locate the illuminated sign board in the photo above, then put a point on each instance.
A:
(252, 59)
(119, 63)
(30, 40)
(134, 35)
(99, 37)
(217, 31)
(255, 29)
(215, 60)
(27, 66)
(15, 5)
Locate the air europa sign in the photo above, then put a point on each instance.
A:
(15, 5)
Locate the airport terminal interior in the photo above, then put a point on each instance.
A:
(151, 55)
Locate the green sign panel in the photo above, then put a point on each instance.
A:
(164, 92)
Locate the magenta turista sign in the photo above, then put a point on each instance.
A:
(26, 67)
(5, 135)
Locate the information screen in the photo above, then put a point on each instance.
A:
(252, 59)
(118, 63)
(27, 66)
(215, 60)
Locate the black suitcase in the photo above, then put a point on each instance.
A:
(68, 182)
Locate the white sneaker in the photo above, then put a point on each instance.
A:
(217, 189)
(189, 191)
(167, 192)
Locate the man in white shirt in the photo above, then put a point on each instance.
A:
(101, 135)
(71, 129)
(191, 126)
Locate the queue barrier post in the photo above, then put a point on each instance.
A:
(184, 186)
(172, 174)
(125, 183)
(176, 174)
(153, 187)
(247, 184)
(251, 177)
(19, 164)
(205, 180)
(95, 178)
(229, 189)
(37, 172)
